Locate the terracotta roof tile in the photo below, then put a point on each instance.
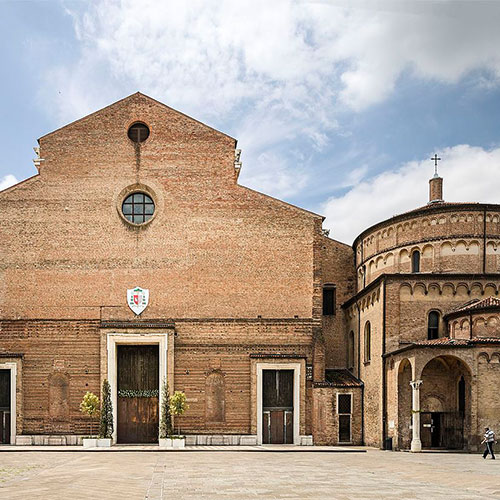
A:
(445, 341)
(340, 378)
(476, 304)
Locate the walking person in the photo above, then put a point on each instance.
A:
(489, 439)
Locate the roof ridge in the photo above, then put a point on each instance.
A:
(479, 304)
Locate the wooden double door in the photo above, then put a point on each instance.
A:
(277, 406)
(5, 407)
(138, 393)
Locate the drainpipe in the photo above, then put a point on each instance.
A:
(359, 377)
(484, 240)
(359, 340)
(384, 377)
(362, 413)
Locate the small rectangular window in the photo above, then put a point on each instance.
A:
(328, 301)
(344, 411)
(344, 404)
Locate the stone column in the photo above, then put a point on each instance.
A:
(416, 444)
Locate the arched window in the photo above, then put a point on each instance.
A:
(350, 351)
(433, 325)
(415, 262)
(368, 335)
(461, 395)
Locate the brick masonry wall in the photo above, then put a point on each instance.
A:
(448, 236)
(68, 348)
(72, 349)
(67, 251)
(484, 324)
(326, 428)
(337, 269)
(480, 367)
(411, 300)
(371, 371)
(488, 397)
(204, 347)
(215, 251)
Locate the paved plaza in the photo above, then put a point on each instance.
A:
(229, 474)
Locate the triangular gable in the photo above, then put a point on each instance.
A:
(129, 98)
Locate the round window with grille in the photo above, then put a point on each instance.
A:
(138, 208)
(138, 132)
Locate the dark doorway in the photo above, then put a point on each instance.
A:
(442, 430)
(277, 407)
(436, 430)
(138, 393)
(461, 395)
(5, 406)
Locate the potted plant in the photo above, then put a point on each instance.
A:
(106, 424)
(178, 407)
(90, 406)
(165, 434)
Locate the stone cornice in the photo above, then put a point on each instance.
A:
(422, 277)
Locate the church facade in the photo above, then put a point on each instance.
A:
(135, 256)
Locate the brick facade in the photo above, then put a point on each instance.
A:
(236, 281)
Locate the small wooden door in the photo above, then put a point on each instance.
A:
(344, 428)
(430, 429)
(4, 406)
(425, 430)
(277, 418)
(138, 393)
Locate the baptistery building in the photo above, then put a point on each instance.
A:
(135, 256)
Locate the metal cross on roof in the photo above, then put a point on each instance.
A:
(436, 159)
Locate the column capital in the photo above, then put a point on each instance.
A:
(416, 384)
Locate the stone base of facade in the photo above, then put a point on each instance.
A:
(48, 440)
(191, 440)
(221, 440)
(233, 440)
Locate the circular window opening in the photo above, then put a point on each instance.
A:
(138, 208)
(138, 132)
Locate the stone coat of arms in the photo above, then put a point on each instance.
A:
(137, 299)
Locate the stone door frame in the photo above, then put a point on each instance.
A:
(113, 340)
(296, 397)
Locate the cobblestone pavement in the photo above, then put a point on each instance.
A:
(244, 474)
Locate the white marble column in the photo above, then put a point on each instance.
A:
(416, 444)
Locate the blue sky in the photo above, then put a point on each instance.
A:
(337, 105)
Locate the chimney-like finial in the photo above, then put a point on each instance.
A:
(436, 183)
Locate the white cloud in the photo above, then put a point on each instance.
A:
(355, 176)
(279, 71)
(469, 173)
(214, 54)
(7, 181)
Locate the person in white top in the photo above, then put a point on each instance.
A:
(489, 439)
